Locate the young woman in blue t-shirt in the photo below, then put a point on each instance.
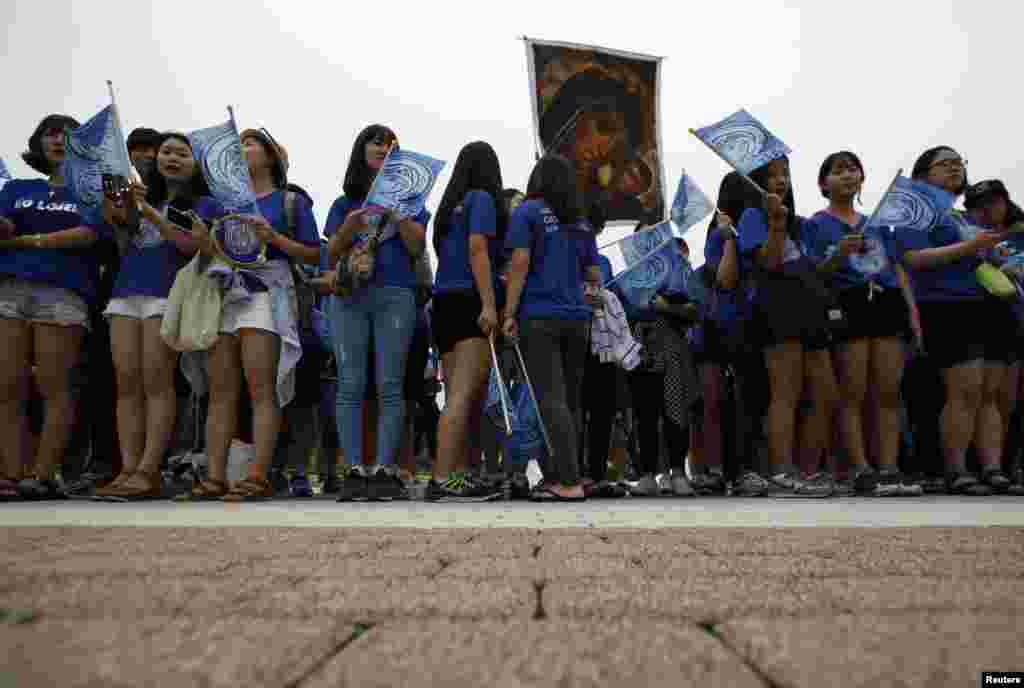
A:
(955, 319)
(545, 303)
(259, 336)
(790, 324)
(49, 273)
(380, 308)
(469, 230)
(873, 294)
(154, 249)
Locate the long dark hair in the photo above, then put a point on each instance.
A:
(476, 169)
(554, 181)
(760, 175)
(156, 185)
(358, 175)
(34, 156)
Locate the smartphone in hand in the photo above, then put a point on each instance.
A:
(179, 218)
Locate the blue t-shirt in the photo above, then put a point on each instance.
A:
(477, 214)
(272, 208)
(37, 208)
(876, 264)
(558, 258)
(394, 265)
(723, 306)
(950, 282)
(150, 263)
(605, 266)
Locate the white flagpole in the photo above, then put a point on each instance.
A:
(502, 389)
(729, 163)
(117, 122)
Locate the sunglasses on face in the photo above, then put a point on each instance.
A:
(383, 140)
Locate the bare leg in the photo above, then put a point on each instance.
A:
(821, 386)
(785, 365)
(15, 381)
(127, 351)
(261, 351)
(886, 376)
(57, 351)
(158, 365)
(852, 371)
(990, 427)
(957, 422)
(224, 370)
(468, 366)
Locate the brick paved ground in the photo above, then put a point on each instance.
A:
(318, 607)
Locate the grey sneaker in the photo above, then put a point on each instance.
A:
(750, 484)
(681, 486)
(664, 481)
(647, 486)
(788, 485)
(889, 484)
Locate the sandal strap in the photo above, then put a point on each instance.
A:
(208, 487)
(250, 487)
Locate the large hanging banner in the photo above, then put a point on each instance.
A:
(599, 108)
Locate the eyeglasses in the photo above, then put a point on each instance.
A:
(950, 164)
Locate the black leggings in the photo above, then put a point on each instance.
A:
(648, 392)
(599, 403)
(554, 351)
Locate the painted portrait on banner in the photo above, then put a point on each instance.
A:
(598, 108)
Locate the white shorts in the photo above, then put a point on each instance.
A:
(137, 307)
(253, 314)
(36, 302)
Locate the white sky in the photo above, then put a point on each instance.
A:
(886, 79)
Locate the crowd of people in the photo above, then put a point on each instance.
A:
(806, 357)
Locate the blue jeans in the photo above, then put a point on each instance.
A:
(386, 316)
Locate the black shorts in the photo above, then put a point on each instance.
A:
(881, 316)
(956, 332)
(787, 309)
(715, 346)
(454, 319)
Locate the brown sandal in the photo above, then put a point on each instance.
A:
(209, 490)
(250, 490)
(111, 488)
(141, 485)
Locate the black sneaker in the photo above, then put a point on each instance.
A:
(86, 484)
(384, 486)
(708, 484)
(433, 492)
(353, 487)
(330, 485)
(279, 483)
(865, 482)
(32, 489)
(462, 488)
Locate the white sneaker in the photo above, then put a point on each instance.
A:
(681, 486)
(647, 486)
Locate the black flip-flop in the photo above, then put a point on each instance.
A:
(547, 495)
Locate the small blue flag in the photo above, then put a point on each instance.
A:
(218, 150)
(652, 274)
(94, 150)
(743, 141)
(909, 204)
(690, 205)
(404, 183)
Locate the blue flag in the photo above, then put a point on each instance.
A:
(743, 141)
(94, 150)
(911, 205)
(5, 174)
(404, 183)
(690, 205)
(652, 274)
(218, 150)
